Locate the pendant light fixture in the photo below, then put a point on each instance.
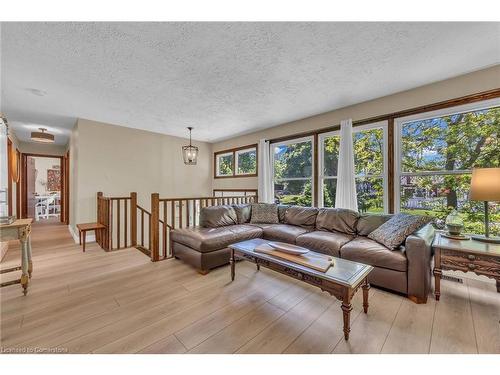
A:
(190, 153)
(42, 137)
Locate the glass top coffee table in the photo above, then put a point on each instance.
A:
(342, 280)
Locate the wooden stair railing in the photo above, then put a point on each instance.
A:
(168, 214)
(131, 225)
(119, 216)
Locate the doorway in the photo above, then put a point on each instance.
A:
(44, 183)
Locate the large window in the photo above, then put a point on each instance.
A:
(292, 163)
(238, 162)
(435, 154)
(369, 163)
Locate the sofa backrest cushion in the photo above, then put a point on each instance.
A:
(337, 220)
(264, 213)
(394, 231)
(243, 212)
(304, 217)
(218, 216)
(367, 223)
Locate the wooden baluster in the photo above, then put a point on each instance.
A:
(142, 228)
(154, 227)
(133, 219)
(172, 207)
(110, 210)
(125, 216)
(165, 216)
(180, 214)
(118, 219)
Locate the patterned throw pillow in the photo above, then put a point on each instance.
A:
(264, 213)
(393, 232)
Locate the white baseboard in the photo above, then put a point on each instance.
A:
(90, 237)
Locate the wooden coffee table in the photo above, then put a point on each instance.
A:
(342, 280)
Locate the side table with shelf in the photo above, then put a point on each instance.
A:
(482, 258)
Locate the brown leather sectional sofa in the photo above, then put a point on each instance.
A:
(338, 232)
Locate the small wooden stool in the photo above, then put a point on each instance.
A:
(83, 228)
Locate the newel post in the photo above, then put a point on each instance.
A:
(99, 217)
(154, 227)
(133, 218)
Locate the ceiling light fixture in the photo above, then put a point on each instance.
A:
(190, 153)
(42, 137)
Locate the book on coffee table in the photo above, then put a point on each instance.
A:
(316, 261)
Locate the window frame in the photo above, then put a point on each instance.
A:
(398, 126)
(286, 143)
(385, 165)
(236, 157)
(234, 152)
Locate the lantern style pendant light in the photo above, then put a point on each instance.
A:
(190, 153)
(41, 136)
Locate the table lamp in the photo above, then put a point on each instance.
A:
(485, 186)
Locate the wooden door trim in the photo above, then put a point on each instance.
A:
(24, 184)
(9, 177)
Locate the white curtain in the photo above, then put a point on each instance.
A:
(265, 178)
(346, 196)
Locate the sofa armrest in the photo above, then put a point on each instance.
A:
(419, 254)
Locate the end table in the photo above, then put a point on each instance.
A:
(482, 258)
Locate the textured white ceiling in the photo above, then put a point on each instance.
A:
(223, 79)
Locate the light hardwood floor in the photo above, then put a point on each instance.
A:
(120, 302)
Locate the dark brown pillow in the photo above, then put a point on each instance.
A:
(218, 216)
(264, 213)
(243, 212)
(394, 232)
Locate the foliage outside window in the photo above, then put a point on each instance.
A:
(246, 161)
(436, 159)
(225, 164)
(236, 162)
(368, 163)
(293, 168)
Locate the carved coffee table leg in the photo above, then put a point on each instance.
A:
(498, 286)
(366, 288)
(232, 261)
(258, 266)
(346, 309)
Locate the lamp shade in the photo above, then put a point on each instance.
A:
(190, 154)
(485, 184)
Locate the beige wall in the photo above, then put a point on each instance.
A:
(471, 83)
(40, 148)
(117, 160)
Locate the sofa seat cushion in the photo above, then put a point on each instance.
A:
(364, 250)
(210, 239)
(281, 232)
(324, 242)
(246, 232)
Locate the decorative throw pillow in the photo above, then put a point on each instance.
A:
(264, 213)
(393, 232)
(243, 212)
